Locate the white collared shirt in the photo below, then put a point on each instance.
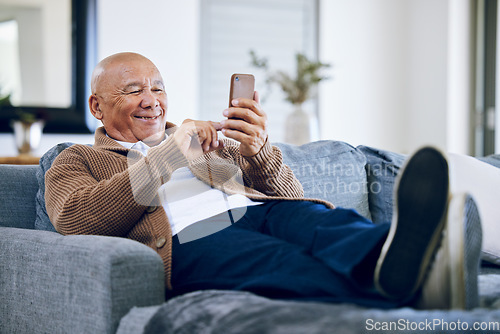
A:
(188, 200)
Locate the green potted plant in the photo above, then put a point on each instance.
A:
(298, 89)
(4, 100)
(27, 126)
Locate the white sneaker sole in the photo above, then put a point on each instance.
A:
(421, 197)
(464, 261)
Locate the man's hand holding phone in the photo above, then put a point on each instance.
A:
(247, 121)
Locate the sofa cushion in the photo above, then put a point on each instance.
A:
(18, 186)
(381, 170)
(332, 171)
(216, 311)
(493, 160)
(51, 283)
(42, 221)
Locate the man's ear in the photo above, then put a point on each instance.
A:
(94, 107)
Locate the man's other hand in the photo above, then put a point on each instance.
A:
(246, 123)
(195, 138)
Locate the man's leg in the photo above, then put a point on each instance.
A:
(238, 258)
(341, 239)
(292, 265)
(416, 233)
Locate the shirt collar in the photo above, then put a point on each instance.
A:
(138, 146)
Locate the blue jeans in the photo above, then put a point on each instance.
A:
(288, 250)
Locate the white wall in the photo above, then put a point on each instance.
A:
(427, 79)
(461, 77)
(165, 31)
(390, 77)
(389, 72)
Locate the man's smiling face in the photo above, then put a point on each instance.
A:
(129, 98)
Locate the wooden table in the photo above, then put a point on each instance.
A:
(20, 160)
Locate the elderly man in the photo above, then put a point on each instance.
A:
(228, 214)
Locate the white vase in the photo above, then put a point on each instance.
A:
(298, 127)
(27, 136)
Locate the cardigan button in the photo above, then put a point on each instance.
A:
(151, 209)
(160, 242)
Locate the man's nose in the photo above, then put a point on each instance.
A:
(149, 100)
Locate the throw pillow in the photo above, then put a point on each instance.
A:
(42, 221)
(332, 171)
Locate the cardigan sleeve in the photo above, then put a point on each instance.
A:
(78, 203)
(80, 200)
(266, 172)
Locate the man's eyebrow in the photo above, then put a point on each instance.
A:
(159, 83)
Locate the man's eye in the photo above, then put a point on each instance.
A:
(134, 92)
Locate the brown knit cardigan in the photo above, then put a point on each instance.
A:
(109, 190)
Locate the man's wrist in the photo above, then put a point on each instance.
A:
(261, 159)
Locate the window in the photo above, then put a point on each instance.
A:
(10, 75)
(275, 30)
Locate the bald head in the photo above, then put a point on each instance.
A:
(129, 98)
(110, 67)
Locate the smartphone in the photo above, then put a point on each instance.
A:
(242, 85)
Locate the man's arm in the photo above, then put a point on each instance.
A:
(262, 163)
(79, 201)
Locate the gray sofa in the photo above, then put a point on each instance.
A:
(51, 283)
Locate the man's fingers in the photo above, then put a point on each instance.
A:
(213, 138)
(256, 96)
(235, 134)
(217, 126)
(216, 145)
(245, 114)
(239, 125)
(249, 104)
(198, 137)
(207, 135)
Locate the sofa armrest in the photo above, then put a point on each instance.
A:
(81, 284)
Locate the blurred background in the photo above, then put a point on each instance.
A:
(401, 74)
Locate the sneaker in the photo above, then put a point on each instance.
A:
(453, 279)
(420, 203)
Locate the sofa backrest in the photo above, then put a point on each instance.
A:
(18, 188)
(360, 178)
(330, 170)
